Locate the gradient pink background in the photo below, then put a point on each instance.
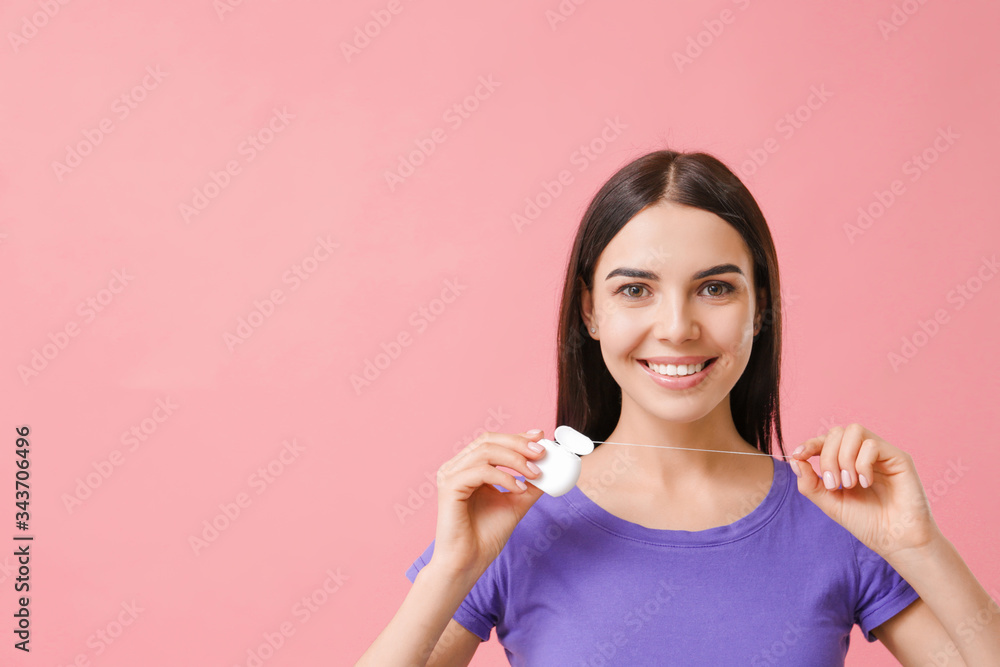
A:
(487, 352)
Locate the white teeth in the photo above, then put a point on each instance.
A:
(677, 370)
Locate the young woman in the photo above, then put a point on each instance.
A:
(670, 337)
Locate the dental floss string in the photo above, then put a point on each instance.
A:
(694, 449)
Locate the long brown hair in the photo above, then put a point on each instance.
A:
(589, 398)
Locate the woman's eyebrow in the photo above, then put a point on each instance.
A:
(651, 275)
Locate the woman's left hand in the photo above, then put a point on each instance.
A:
(876, 493)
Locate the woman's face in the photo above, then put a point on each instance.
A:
(676, 281)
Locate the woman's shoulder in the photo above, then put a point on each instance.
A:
(804, 522)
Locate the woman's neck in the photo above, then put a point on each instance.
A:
(705, 442)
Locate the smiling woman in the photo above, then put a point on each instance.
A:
(670, 339)
(686, 216)
(709, 312)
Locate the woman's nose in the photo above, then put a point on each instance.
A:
(675, 320)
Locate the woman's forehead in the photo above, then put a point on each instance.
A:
(664, 241)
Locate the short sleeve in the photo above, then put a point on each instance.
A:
(479, 612)
(882, 593)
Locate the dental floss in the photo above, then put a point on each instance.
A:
(694, 449)
(560, 468)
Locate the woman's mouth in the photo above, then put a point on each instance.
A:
(678, 370)
(677, 376)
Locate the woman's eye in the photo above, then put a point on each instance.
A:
(724, 289)
(632, 290)
(635, 290)
(717, 290)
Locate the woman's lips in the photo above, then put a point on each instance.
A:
(685, 382)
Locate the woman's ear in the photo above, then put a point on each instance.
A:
(587, 309)
(761, 310)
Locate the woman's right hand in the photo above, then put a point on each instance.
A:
(475, 520)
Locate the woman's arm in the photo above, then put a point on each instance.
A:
(475, 520)
(872, 489)
(414, 631)
(954, 623)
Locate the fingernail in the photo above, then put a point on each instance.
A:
(533, 432)
(535, 447)
(829, 481)
(533, 467)
(864, 481)
(846, 477)
(521, 484)
(798, 450)
(795, 468)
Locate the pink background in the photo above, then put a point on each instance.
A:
(483, 359)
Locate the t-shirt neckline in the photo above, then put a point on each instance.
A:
(739, 529)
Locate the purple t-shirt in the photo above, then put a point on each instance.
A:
(578, 586)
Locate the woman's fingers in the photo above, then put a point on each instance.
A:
(471, 468)
(472, 478)
(799, 458)
(850, 445)
(809, 448)
(846, 455)
(813, 488)
(865, 463)
(829, 457)
(809, 481)
(863, 460)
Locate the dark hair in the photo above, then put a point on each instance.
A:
(589, 398)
